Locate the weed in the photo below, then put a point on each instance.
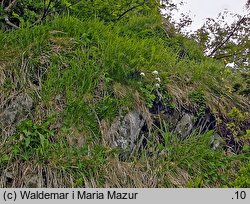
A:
(31, 139)
(197, 97)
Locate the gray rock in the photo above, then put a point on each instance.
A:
(172, 118)
(8, 117)
(216, 141)
(185, 126)
(126, 131)
(17, 109)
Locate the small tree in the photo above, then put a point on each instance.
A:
(230, 42)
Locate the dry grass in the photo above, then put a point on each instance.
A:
(22, 174)
(129, 174)
(222, 102)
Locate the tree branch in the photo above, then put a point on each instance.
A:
(228, 37)
(227, 55)
(7, 21)
(46, 10)
(130, 9)
(8, 8)
(248, 3)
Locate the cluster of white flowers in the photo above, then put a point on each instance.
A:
(158, 79)
(157, 85)
(142, 74)
(155, 73)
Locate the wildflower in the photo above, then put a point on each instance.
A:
(142, 74)
(158, 79)
(155, 72)
(157, 85)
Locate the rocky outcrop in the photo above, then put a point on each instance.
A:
(185, 126)
(17, 109)
(126, 131)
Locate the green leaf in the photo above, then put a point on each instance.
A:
(27, 141)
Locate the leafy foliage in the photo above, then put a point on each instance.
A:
(32, 139)
(225, 41)
(14, 13)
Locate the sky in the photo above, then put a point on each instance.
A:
(199, 10)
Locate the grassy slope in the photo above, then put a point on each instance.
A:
(80, 75)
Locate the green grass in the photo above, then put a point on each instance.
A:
(81, 73)
(191, 162)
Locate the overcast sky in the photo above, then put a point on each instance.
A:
(201, 9)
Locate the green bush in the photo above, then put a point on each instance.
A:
(32, 139)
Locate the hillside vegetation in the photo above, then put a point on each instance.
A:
(69, 82)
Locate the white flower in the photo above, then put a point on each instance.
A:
(142, 74)
(158, 79)
(155, 72)
(157, 85)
